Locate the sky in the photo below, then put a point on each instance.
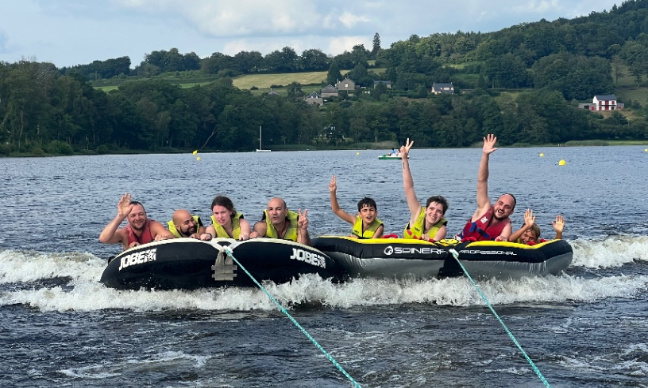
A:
(77, 32)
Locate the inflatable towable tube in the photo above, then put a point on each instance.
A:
(188, 264)
(407, 258)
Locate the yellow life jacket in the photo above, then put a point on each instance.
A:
(291, 233)
(369, 233)
(416, 231)
(174, 230)
(236, 227)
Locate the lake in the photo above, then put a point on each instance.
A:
(584, 328)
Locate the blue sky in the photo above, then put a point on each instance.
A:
(72, 32)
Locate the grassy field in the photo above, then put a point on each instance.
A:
(627, 88)
(264, 81)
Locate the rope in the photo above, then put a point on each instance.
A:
(283, 310)
(455, 254)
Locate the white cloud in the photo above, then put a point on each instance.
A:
(228, 18)
(349, 20)
(70, 32)
(341, 44)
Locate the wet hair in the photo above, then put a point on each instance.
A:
(438, 199)
(138, 203)
(225, 202)
(536, 229)
(366, 201)
(514, 201)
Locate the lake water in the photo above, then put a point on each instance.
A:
(587, 327)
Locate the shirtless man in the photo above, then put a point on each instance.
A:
(279, 222)
(140, 229)
(489, 222)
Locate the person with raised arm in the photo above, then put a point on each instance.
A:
(425, 223)
(140, 229)
(279, 222)
(489, 222)
(529, 233)
(365, 223)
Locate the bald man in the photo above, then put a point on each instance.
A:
(140, 229)
(279, 222)
(184, 224)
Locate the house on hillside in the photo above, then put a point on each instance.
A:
(602, 102)
(388, 84)
(329, 91)
(313, 99)
(272, 93)
(438, 88)
(345, 84)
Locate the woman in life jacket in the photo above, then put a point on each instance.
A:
(425, 223)
(226, 221)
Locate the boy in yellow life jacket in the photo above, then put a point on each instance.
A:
(365, 224)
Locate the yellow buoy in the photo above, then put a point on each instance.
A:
(198, 158)
(562, 162)
(646, 150)
(195, 152)
(541, 154)
(357, 153)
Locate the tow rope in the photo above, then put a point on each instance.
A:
(283, 310)
(455, 254)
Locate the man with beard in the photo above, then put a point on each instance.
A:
(490, 222)
(140, 229)
(183, 224)
(279, 222)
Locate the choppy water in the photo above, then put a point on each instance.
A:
(586, 328)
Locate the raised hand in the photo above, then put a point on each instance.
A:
(124, 206)
(404, 150)
(303, 220)
(333, 185)
(558, 224)
(489, 144)
(529, 218)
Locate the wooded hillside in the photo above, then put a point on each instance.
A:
(523, 83)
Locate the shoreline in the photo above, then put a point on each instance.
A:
(365, 146)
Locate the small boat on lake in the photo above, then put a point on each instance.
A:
(188, 264)
(409, 258)
(396, 156)
(260, 149)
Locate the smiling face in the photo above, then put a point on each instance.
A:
(222, 214)
(368, 214)
(433, 213)
(277, 211)
(137, 217)
(529, 235)
(186, 224)
(504, 206)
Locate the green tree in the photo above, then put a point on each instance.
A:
(333, 75)
(376, 46)
(314, 60)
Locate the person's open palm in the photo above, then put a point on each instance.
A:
(489, 144)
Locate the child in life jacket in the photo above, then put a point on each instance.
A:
(529, 233)
(365, 223)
